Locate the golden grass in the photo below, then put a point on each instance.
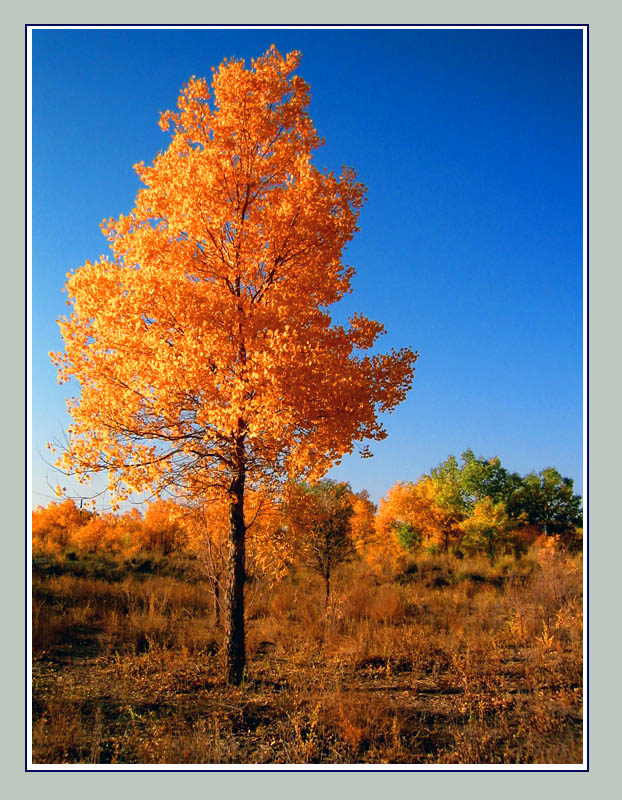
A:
(448, 662)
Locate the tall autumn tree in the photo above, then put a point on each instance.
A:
(204, 349)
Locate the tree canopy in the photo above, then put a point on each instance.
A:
(547, 499)
(209, 328)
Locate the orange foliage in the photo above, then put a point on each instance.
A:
(438, 525)
(129, 526)
(168, 527)
(362, 522)
(61, 527)
(203, 348)
(410, 517)
(54, 527)
(101, 534)
(161, 529)
(207, 535)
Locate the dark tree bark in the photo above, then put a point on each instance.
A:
(327, 583)
(234, 644)
(216, 598)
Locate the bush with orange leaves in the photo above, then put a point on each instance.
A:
(130, 527)
(63, 527)
(161, 530)
(103, 533)
(54, 528)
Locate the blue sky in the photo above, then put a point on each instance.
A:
(470, 248)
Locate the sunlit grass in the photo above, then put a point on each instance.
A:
(448, 661)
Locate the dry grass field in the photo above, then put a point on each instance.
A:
(447, 662)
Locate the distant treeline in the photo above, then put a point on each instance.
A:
(467, 506)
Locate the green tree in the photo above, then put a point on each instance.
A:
(547, 499)
(449, 493)
(485, 477)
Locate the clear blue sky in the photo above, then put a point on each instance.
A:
(470, 248)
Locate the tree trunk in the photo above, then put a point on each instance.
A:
(327, 582)
(235, 650)
(216, 597)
